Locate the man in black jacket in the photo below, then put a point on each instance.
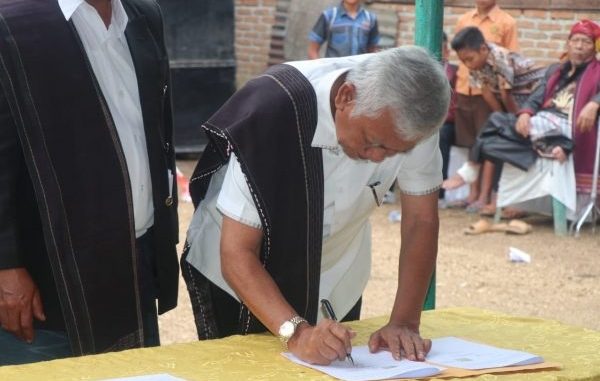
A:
(88, 221)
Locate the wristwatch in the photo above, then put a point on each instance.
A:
(288, 328)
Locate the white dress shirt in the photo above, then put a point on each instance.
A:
(108, 53)
(348, 198)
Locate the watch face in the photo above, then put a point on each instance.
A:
(287, 329)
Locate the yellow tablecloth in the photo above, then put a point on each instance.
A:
(257, 357)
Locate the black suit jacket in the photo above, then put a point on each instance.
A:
(22, 238)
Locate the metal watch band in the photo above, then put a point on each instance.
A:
(296, 321)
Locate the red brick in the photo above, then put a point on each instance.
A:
(563, 15)
(535, 35)
(536, 14)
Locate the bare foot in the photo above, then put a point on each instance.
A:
(453, 182)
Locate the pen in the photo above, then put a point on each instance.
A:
(372, 186)
(331, 313)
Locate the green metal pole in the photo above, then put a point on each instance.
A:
(559, 212)
(429, 18)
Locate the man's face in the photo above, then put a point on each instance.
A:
(366, 138)
(580, 49)
(351, 2)
(473, 59)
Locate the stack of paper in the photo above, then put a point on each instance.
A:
(445, 352)
(372, 366)
(459, 353)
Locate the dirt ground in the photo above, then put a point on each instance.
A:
(562, 282)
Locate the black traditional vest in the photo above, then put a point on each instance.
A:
(269, 124)
(78, 172)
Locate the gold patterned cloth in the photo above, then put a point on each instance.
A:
(257, 357)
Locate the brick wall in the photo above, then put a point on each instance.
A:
(253, 22)
(542, 33)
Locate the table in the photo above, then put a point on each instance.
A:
(256, 357)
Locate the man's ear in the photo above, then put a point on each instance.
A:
(346, 94)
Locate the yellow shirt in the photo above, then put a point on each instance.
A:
(498, 27)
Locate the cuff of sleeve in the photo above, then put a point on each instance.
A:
(312, 36)
(10, 263)
(421, 193)
(239, 219)
(526, 111)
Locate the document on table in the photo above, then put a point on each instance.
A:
(458, 353)
(445, 352)
(372, 366)
(149, 377)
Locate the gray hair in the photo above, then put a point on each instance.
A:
(409, 82)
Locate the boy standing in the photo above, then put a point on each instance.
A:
(348, 28)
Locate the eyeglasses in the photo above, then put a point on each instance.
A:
(583, 41)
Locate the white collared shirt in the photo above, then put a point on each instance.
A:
(108, 53)
(348, 198)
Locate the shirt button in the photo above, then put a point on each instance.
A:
(169, 201)
(167, 147)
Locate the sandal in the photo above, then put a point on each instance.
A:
(484, 226)
(479, 227)
(518, 227)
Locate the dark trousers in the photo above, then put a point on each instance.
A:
(51, 345)
(447, 140)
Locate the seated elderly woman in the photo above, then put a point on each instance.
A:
(565, 104)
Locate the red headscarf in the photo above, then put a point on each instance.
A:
(587, 28)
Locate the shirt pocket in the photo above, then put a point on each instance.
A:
(339, 35)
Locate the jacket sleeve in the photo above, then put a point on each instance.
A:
(10, 156)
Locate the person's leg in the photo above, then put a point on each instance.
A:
(466, 132)
(487, 182)
(148, 284)
(47, 345)
(480, 113)
(446, 142)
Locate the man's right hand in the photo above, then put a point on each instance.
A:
(20, 302)
(522, 126)
(323, 343)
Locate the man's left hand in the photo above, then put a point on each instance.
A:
(587, 116)
(401, 340)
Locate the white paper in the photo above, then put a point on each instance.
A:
(458, 353)
(372, 366)
(150, 377)
(516, 255)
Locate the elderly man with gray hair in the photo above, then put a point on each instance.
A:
(297, 161)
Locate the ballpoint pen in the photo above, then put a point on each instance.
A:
(372, 186)
(329, 309)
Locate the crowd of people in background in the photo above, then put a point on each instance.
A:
(494, 88)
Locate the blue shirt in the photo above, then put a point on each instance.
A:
(345, 35)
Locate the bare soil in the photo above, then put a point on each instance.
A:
(562, 282)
